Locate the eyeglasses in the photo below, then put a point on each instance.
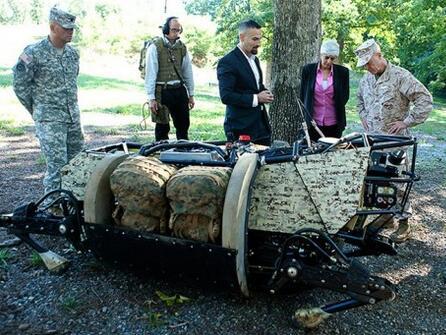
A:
(175, 30)
(333, 58)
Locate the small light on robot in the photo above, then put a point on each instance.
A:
(390, 200)
(244, 138)
(379, 200)
(380, 190)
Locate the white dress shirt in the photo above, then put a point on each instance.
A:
(255, 70)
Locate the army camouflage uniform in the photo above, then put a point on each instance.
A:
(45, 82)
(387, 99)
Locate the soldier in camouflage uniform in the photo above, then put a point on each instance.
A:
(390, 100)
(45, 82)
(169, 82)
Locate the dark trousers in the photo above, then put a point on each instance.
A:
(328, 131)
(177, 102)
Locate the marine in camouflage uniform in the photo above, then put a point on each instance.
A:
(390, 100)
(45, 82)
(169, 82)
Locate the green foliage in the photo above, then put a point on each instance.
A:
(106, 131)
(86, 81)
(5, 77)
(70, 304)
(157, 314)
(421, 37)
(199, 42)
(203, 7)
(350, 22)
(131, 109)
(155, 319)
(10, 128)
(35, 260)
(434, 125)
(4, 256)
(169, 301)
(36, 11)
(228, 14)
(411, 33)
(13, 11)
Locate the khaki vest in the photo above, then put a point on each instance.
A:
(166, 70)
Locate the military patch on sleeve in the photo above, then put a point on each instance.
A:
(26, 58)
(20, 67)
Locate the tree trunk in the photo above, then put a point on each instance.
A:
(296, 42)
(267, 76)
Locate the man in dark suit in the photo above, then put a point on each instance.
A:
(325, 91)
(242, 90)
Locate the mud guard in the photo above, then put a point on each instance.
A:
(235, 214)
(98, 198)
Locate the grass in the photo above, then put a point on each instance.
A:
(70, 304)
(107, 131)
(35, 260)
(129, 109)
(89, 82)
(108, 95)
(4, 256)
(5, 77)
(10, 128)
(435, 125)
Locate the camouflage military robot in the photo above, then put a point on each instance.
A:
(276, 218)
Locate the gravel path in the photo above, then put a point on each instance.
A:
(94, 298)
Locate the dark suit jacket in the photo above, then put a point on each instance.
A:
(341, 90)
(237, 86)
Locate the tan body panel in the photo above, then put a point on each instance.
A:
(234, 213)
(321, 191)
(98, 203)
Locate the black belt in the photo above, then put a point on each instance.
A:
(170, 86)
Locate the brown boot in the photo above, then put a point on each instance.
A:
(402, 233)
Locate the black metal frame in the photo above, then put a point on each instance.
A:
(275, 260)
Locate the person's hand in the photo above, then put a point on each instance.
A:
(191, 102)
(365, 125)
(265, 97)
(397, 127)
(154, 106)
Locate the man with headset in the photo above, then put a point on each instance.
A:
(169, 82)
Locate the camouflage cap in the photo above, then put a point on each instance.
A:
(365, 51)
(66, 20)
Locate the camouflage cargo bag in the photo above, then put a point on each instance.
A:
(196, 196)
(139, 187)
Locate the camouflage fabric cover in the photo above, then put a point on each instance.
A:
(387, 99)
(320, 191)
(196, 195)
(139, 186)
(77, 172)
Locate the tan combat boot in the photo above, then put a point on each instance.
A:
(402, 233)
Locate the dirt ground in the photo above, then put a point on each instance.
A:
(94, 298)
